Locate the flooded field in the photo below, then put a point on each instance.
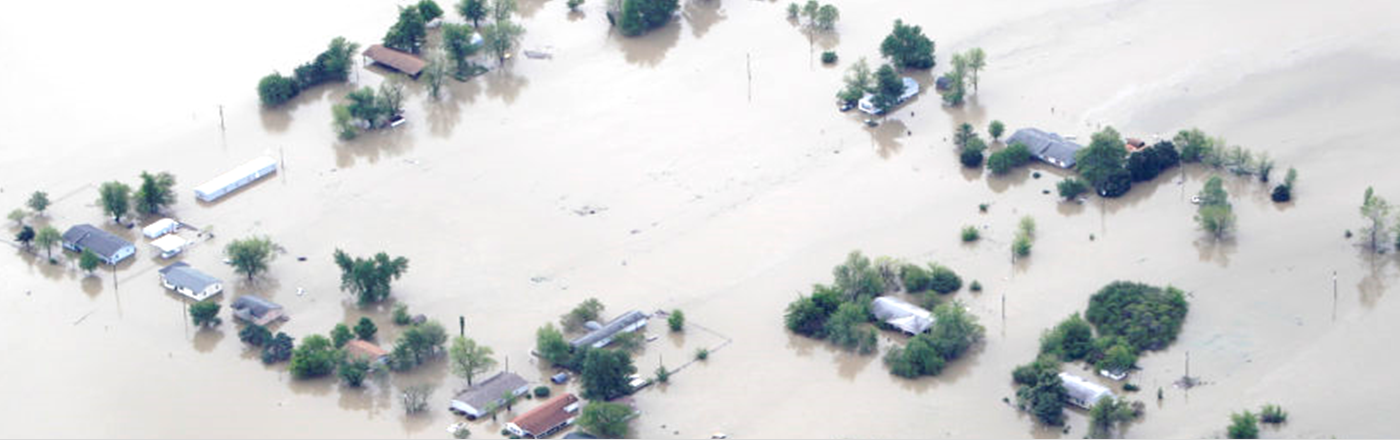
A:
(701, 167)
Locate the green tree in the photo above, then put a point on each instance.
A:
(605, 374)
(963, 135)
(1215, 214)
(826, 17)
(976, 61)
(1244, 425)
(473, 10)
(1108, 413)
(970, 234)
(409, 32)
(501, 37)
(255, 335)
(995, 129)
(676, 321)
(847, 329)
(25, 236)
(971, 155)
(907, 47)
(401, 316)
(858, 81)
(343, 122)
(39, 201)
(456, 41)
(1021, 246)
(275, 89)
(46, 238)
(1194, 143)
(1006, 159)
(605, 420)
(250, 256)
(1119, 358)
(1042, 392)
(888, 88)
(435, 73)
(315, 357)
(369, 278)
(205, 313)
(1070, 340)
(857, 279)
(17, 216)
(1148, 317)
(88, 261)
(501, 9)
(1273, 414)
(279, 349)
(793, 11)
(365, 329)
(810, 9)
(588, 310)
(640, 16)
(1071, 188)
(116, 199)
(957, 80)
(943, 280)
(157, 191)
(551, 346)
(353, 372)
(1376, 211)
(1101, 160)
(468, 359)
(429, 10)
(341, 334)
(574, 4)
(418, 344)
(954, 330)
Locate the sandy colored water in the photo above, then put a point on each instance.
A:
(713, 194)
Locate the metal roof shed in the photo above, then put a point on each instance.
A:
(237, 178)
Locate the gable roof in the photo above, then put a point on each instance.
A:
(901, 314)
(548, 415)
(255, 306)
(489, 391)
(1081, 390)
(399, 60)
(362, 349)
(181, 275)
(1046, 146)
(100, 242)
(611, 328)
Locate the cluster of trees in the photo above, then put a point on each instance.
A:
(1014, 155)
(316, 356)
(1196, 146)
(501, 35)
(457, 44)
(954, 331)
(156, 192)
(1103, 164)
(250, 256)
(588, 310)
(369, 278)
(331, 65)
(205, 314)
(1215, 215)
(605, 374)
(1112, 413)
(818, 16)
(469, 359)
(970, 145)
(1025, 236)
(636, 17)
(411, 30)
(966, 67)
(1123, 320)
(417, 344)
(605, 419)
(907, 47)
(364, 109)
(841, 312)
(46, 237)
(1377, 233)
(1145, 165)
(936, 277)
(1071, 187)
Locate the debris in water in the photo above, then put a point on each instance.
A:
(301, 258)
(538, 279)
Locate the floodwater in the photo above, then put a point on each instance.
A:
(720, 181)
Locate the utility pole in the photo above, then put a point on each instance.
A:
(221, 117)
(748, 66)
(462, 325)
(1334, 296)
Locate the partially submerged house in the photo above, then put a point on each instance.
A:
(169, 245)
(187, 281)
(907, 317)
(358, 349)
(159, 228)
(1045, 146)
(110, 248)
(548, 418)
(256, 310)
(405, 62)
(602, 336)
(1081, 392)
(484, 396)
(235, 179)
(867, 103)
(1134, 145)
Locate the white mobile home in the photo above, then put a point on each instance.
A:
(238, 178)
(159, 228)
(169, 245)
(1083, 393)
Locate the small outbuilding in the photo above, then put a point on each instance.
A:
(1045, 146)
(256, 310)
(483, 397)
(159, 228)
(907, 317)
(628, 322)
(405, 62)
(235, 179)
(189, 282)
(867, 102)
(358, 349)
(1081, 392)
(169, 245)
(548, 418)
(110, 248)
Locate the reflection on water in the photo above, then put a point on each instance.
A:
(205, 339)
(1214, 250)
(647, 50)
(886, 137)
(504, 85)
(700, 15)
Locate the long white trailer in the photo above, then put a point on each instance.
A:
(237, 178)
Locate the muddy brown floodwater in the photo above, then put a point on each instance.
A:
(714, 190)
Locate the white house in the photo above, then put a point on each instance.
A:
(187, 281)
(237, 178)
(1083, 393)
(910, 318)
(110, 248)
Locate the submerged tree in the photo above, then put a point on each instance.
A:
(907, 47)
(501, 37)
(157, 192)
(46, 238)
(368, 278)
(457, 42)
(1376, 211)
(858, 82)
(605, 420)
(25, 236)
(250, 256)
(1215, 214)
(39, 201)
(473, 10)
(88, 261)
(468, 359)
(116, 199)
(409, 33)
(205, 313)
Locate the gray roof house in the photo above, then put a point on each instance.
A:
(110, 248)
(187, 281)
(479, 399)
(910, 318)
(1048, 147)
(256, 310)
(628, 322)
(1081, 392)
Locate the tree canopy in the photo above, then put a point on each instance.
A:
(468, 359)
(369, 278)
(157, 192)
(908, 47)
(858, 82)
(1101, 163)
(116, 199)
(473, 10)
(205, 313)
(1147, 317)
(605, 420)
(250, 256)
(501, 37)
(1215, 215)
(409, 33)
(550, 344)
(38, 201)
(888, 88)
(605, 374)
(315, 357)
(640, 16)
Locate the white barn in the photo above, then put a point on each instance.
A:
(235, 179)
(910, 318)
(1083, 393)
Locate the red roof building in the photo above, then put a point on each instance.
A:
(359, 349)
(548, 418)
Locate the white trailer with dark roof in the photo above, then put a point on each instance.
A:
(235, 179)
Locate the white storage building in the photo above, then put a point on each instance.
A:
(237, 178)
(159, 228)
